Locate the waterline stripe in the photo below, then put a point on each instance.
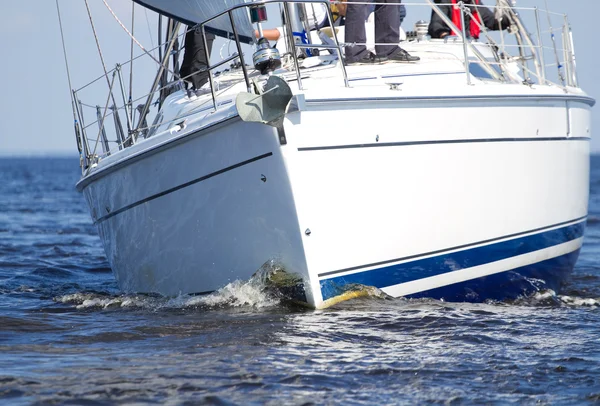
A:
(452, 261)
(184, 185)
(463, 275)
(458, 247)
(442, 142)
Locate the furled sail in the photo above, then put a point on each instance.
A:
(192, 12)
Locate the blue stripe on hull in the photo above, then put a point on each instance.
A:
(510, 284)
(552, 273)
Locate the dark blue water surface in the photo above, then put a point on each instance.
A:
(67, 336)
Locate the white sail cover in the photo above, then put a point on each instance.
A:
(192, 12)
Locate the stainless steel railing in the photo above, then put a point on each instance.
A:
(529, 51)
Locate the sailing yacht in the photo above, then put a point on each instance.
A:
(463, 176)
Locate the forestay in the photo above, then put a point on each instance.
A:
(193, 12)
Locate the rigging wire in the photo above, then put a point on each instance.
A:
(108, 82)
(72, 96)
(131, 35)
(148, 25)
(87, 6)
(131, 59)
(62, 37)
(101, 121)
(558, 64)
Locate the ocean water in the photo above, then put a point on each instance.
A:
(67, 336)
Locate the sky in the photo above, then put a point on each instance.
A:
(35, 110)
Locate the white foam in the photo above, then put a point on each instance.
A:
(579, 301)
(98, 300)
(238, 293)
(252, 293)
(544, 295)
(573, 301)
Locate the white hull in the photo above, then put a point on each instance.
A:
(463, 175)
(197, 215)
(418, 179)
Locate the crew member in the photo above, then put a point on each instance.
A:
(193, 69)
(482, 15)
(387, 34)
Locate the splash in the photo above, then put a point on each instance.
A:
(269, 287)
(549, 297)
(90, 300)
(579, 301)
(252, 293)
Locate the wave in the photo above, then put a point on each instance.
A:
(253, 293)
(250, 294)
(549, 297)
(272, 286)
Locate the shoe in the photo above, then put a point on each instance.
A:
(400, 56)
(202, 91)
(191, 94)
(366, 59)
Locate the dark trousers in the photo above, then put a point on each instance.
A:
(387, 28)
(194, 58)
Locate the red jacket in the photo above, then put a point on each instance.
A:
(474, 29)
(437, 26)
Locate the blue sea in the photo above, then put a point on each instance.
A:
(68, 336)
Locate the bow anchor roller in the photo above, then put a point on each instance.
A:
(268, 106)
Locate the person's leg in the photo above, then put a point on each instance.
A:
(387, 27)
(200, 62)
(188, 57)
(355, 31)
(387, 32)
